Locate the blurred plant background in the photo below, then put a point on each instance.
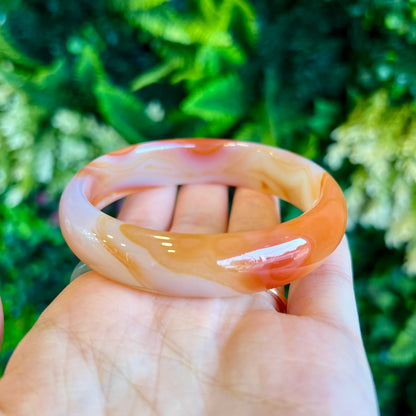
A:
(332, 80)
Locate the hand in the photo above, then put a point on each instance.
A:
(105, 349)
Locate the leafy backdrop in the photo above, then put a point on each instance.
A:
(332, 80)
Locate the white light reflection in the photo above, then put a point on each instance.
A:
(239, 144)
(263, 254)
(161, 237)
(166, 145)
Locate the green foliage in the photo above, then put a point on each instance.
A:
(125, 112)
(219, 102)
(403, 351)
(34, 265)
(78, 79)
(387, 302)
(42, 151)
(380, 139)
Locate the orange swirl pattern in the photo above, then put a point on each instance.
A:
(208, 265)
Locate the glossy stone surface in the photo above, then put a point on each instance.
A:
(203, 265)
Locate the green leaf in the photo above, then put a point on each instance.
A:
(216, 100)
(135, 5)
(145, 4)
(254, 132)
(218, 129)
(403, 351)
(10, 52)
(52, 76)
(167, 25)
(126, 113)
(208, 60)
(248, 19)
(241, 11)
(42, 86)
(211, 59)
(120, 110)
(171, 26)
(155, 74)
(208, 9)
(225, 14)
(88, 68)
(205, 34)
(233, 54)
(325, 114)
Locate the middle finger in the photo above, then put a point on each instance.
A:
(201, 209)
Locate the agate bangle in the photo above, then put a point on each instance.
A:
(202, 265)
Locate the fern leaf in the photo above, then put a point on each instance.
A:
(248, 19)
(208, 9)
(216, 100)
(225, 14)
(252, 132)
(167, 25)
(208, 59)
(155, 74)
(192, 74)
(127, 6)
(170, 26)
(134, 5)
(204, 33)
(88, 68)
(122, 111)
(233, 54)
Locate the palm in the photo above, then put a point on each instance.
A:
(105, 349)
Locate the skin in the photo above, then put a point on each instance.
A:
(102, 348)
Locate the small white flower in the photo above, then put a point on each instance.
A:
(336, 155)
(155, 111)
(377, 214)
(401, 231)
(19, 140)
(68, 122)
(73, 151)
(43, 165)
(14, 196)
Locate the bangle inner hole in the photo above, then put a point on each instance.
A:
(288, 211)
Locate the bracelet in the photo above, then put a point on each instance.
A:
(202, 265)
(80, 269)
(278, 293)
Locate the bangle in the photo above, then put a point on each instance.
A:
(202, 265)
(80, 269)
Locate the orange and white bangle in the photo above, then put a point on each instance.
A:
(202, 265)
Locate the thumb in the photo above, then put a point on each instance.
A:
(327, 293)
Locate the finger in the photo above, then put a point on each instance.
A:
(201, 209)
(253, 210)
(150, 208)
(327, 293)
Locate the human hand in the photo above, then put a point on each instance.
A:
(102, 348)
